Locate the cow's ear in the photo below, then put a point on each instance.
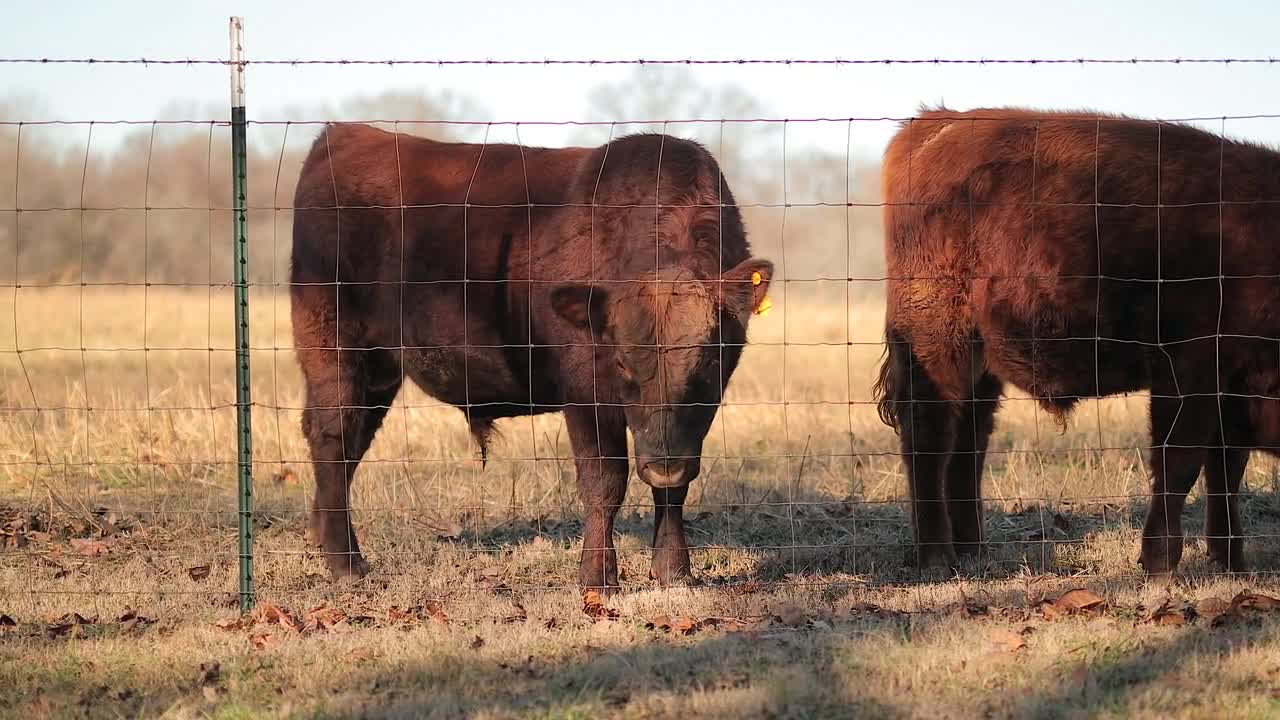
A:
(582, 305)
(745, 288)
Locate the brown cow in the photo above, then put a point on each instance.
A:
(1077, 255)
(612, 283)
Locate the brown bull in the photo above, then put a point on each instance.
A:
(1077, 256)
(612, 283)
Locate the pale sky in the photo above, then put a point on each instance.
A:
(656, 29)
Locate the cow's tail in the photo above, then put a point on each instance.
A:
(894, 377)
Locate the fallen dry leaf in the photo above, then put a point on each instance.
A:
(1255, 601)
(1049, 610)
(69, 624)
(361, 653)
(491, 580)
(76, 619)
(272, 614)
(593, 606)
(262, 640)
(791, 614)
(685, 625)
(322, 618)
(1170, 612)
(1079, 600)
(1212, 607)
(518, 614)
(436, 612)
(198, 572)
(661, 622)
(90, 548)
(236, 623)
(682, 625)
(59, 571)
(873, 610)
(743, 625)
(130, 620)
(525, 668)
(396, 615)
(1071, 602)
(1235, 610)
(1006, 640)
(968, 607)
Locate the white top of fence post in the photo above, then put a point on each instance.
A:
(237, 62)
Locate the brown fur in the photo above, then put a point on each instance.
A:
(1077, 255)
(610, 283)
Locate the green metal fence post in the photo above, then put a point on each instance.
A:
(240, 199)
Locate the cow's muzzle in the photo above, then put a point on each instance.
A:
(666, 474)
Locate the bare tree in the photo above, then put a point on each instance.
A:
(651, 95)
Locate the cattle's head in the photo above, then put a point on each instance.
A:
(668, 342)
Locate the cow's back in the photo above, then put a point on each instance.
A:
(405, 242)
(1034, 234)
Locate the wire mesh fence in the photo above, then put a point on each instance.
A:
(126, 303)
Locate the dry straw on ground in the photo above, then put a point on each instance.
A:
(118, 563)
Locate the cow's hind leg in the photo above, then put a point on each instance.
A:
(1180, 428)
(348, 394)
(976, 420)
(1224, 533)
(926, 425)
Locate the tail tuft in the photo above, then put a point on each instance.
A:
(895, 366)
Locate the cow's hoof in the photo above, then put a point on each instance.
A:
(1157, 561)
(1232, 566)
(676, 580)
(671, 569)
(937, 558)
(605, 591)
(347, 567)
(1230, 559)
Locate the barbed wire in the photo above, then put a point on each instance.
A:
(392, 62)
(216, 122)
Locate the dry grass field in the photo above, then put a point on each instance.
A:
(118, 554)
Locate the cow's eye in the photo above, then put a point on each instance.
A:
(626, 374)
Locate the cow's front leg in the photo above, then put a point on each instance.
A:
(599, 439)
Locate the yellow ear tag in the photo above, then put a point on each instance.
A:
(766, 304)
